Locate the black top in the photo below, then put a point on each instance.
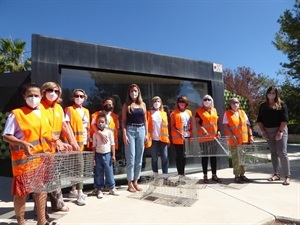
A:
(271, 117)
(136, 116)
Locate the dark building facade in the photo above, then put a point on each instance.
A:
(107, 71)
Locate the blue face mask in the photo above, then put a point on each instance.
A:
(101, 126)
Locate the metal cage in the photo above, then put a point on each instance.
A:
(256, 153)
(204, 146)
(59, 170)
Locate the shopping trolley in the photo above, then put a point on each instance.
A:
(52, 171)
(255, 153)
(206, 146)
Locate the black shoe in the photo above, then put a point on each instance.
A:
(244, 178)
(238, 180)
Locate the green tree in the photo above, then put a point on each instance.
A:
(12, 56)
(245, 82)
(290, 94)
(287, 40)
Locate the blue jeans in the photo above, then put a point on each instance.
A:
(162, 148)
(103, 167)
(134, 151)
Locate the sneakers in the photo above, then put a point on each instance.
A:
(114, 192)
(73, 194)
(99, 194)
(81, 200)
(94, 192)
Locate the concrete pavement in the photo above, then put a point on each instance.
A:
(257, 202)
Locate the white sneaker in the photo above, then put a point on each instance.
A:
(99, 194)
(81, 200)
(73, 194)
(114, 192)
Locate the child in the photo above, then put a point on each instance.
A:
(104, 158)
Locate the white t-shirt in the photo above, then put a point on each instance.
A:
(225, 119)
(84, 121)
(98, 143)
(12, 126)
(186, 120)
(156, 124)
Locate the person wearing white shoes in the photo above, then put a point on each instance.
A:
(78, 117)
(104, 158)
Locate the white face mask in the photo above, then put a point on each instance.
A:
(207, 103)
(271, 96)
(51, 96)
(134, 94)
(156, 105)
(78, 101)
(33, 102)
(235, 106)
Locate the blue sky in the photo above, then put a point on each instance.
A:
(234, 33)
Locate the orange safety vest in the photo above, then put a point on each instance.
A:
(209, 122)
(176, 137)
(113, 126)
(37, 131)
(55, 116)
(164, 131)
(77, 125)
(238, 126)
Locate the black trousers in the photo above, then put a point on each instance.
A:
(213, 164)
(180, 158)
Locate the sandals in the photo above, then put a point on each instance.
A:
(216, 178)
(286, 181)
(205, 179)
(137, 187)
(275, 177)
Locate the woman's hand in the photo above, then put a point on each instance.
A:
(103, 137)
(278, 136)
(126, 140)
(27, 148)
(264, 135)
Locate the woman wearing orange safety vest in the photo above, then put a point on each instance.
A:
(28, 132)
(159, 135)
(112, 120)
(51, 97)
(206, 118)
(78, 118)
(237, 127)
(181, 128)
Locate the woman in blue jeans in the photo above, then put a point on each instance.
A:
(159, 134)
(135, 133)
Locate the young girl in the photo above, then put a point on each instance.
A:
(104, 157)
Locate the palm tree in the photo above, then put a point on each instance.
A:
(12, 56)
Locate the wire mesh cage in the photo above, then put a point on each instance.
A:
(50, 172)
(172, 191)
(206, 146)
(256, 153)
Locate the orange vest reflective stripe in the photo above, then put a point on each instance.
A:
(238, 126)
(209, 122)
(55, 116)
(113, 126)
(37, 131)
(77, 125)
(164, 131)
(176, 137)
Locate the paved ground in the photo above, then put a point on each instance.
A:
(258, 202)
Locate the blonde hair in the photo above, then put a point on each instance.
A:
(81, 90)
(139, 100)
(51, 85)
(208, 97)
(161, 108)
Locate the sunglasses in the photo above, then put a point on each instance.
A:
(78, 96)
(236, 102)
(52, 90)
(207, 100)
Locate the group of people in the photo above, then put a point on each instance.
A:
(43, 126)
